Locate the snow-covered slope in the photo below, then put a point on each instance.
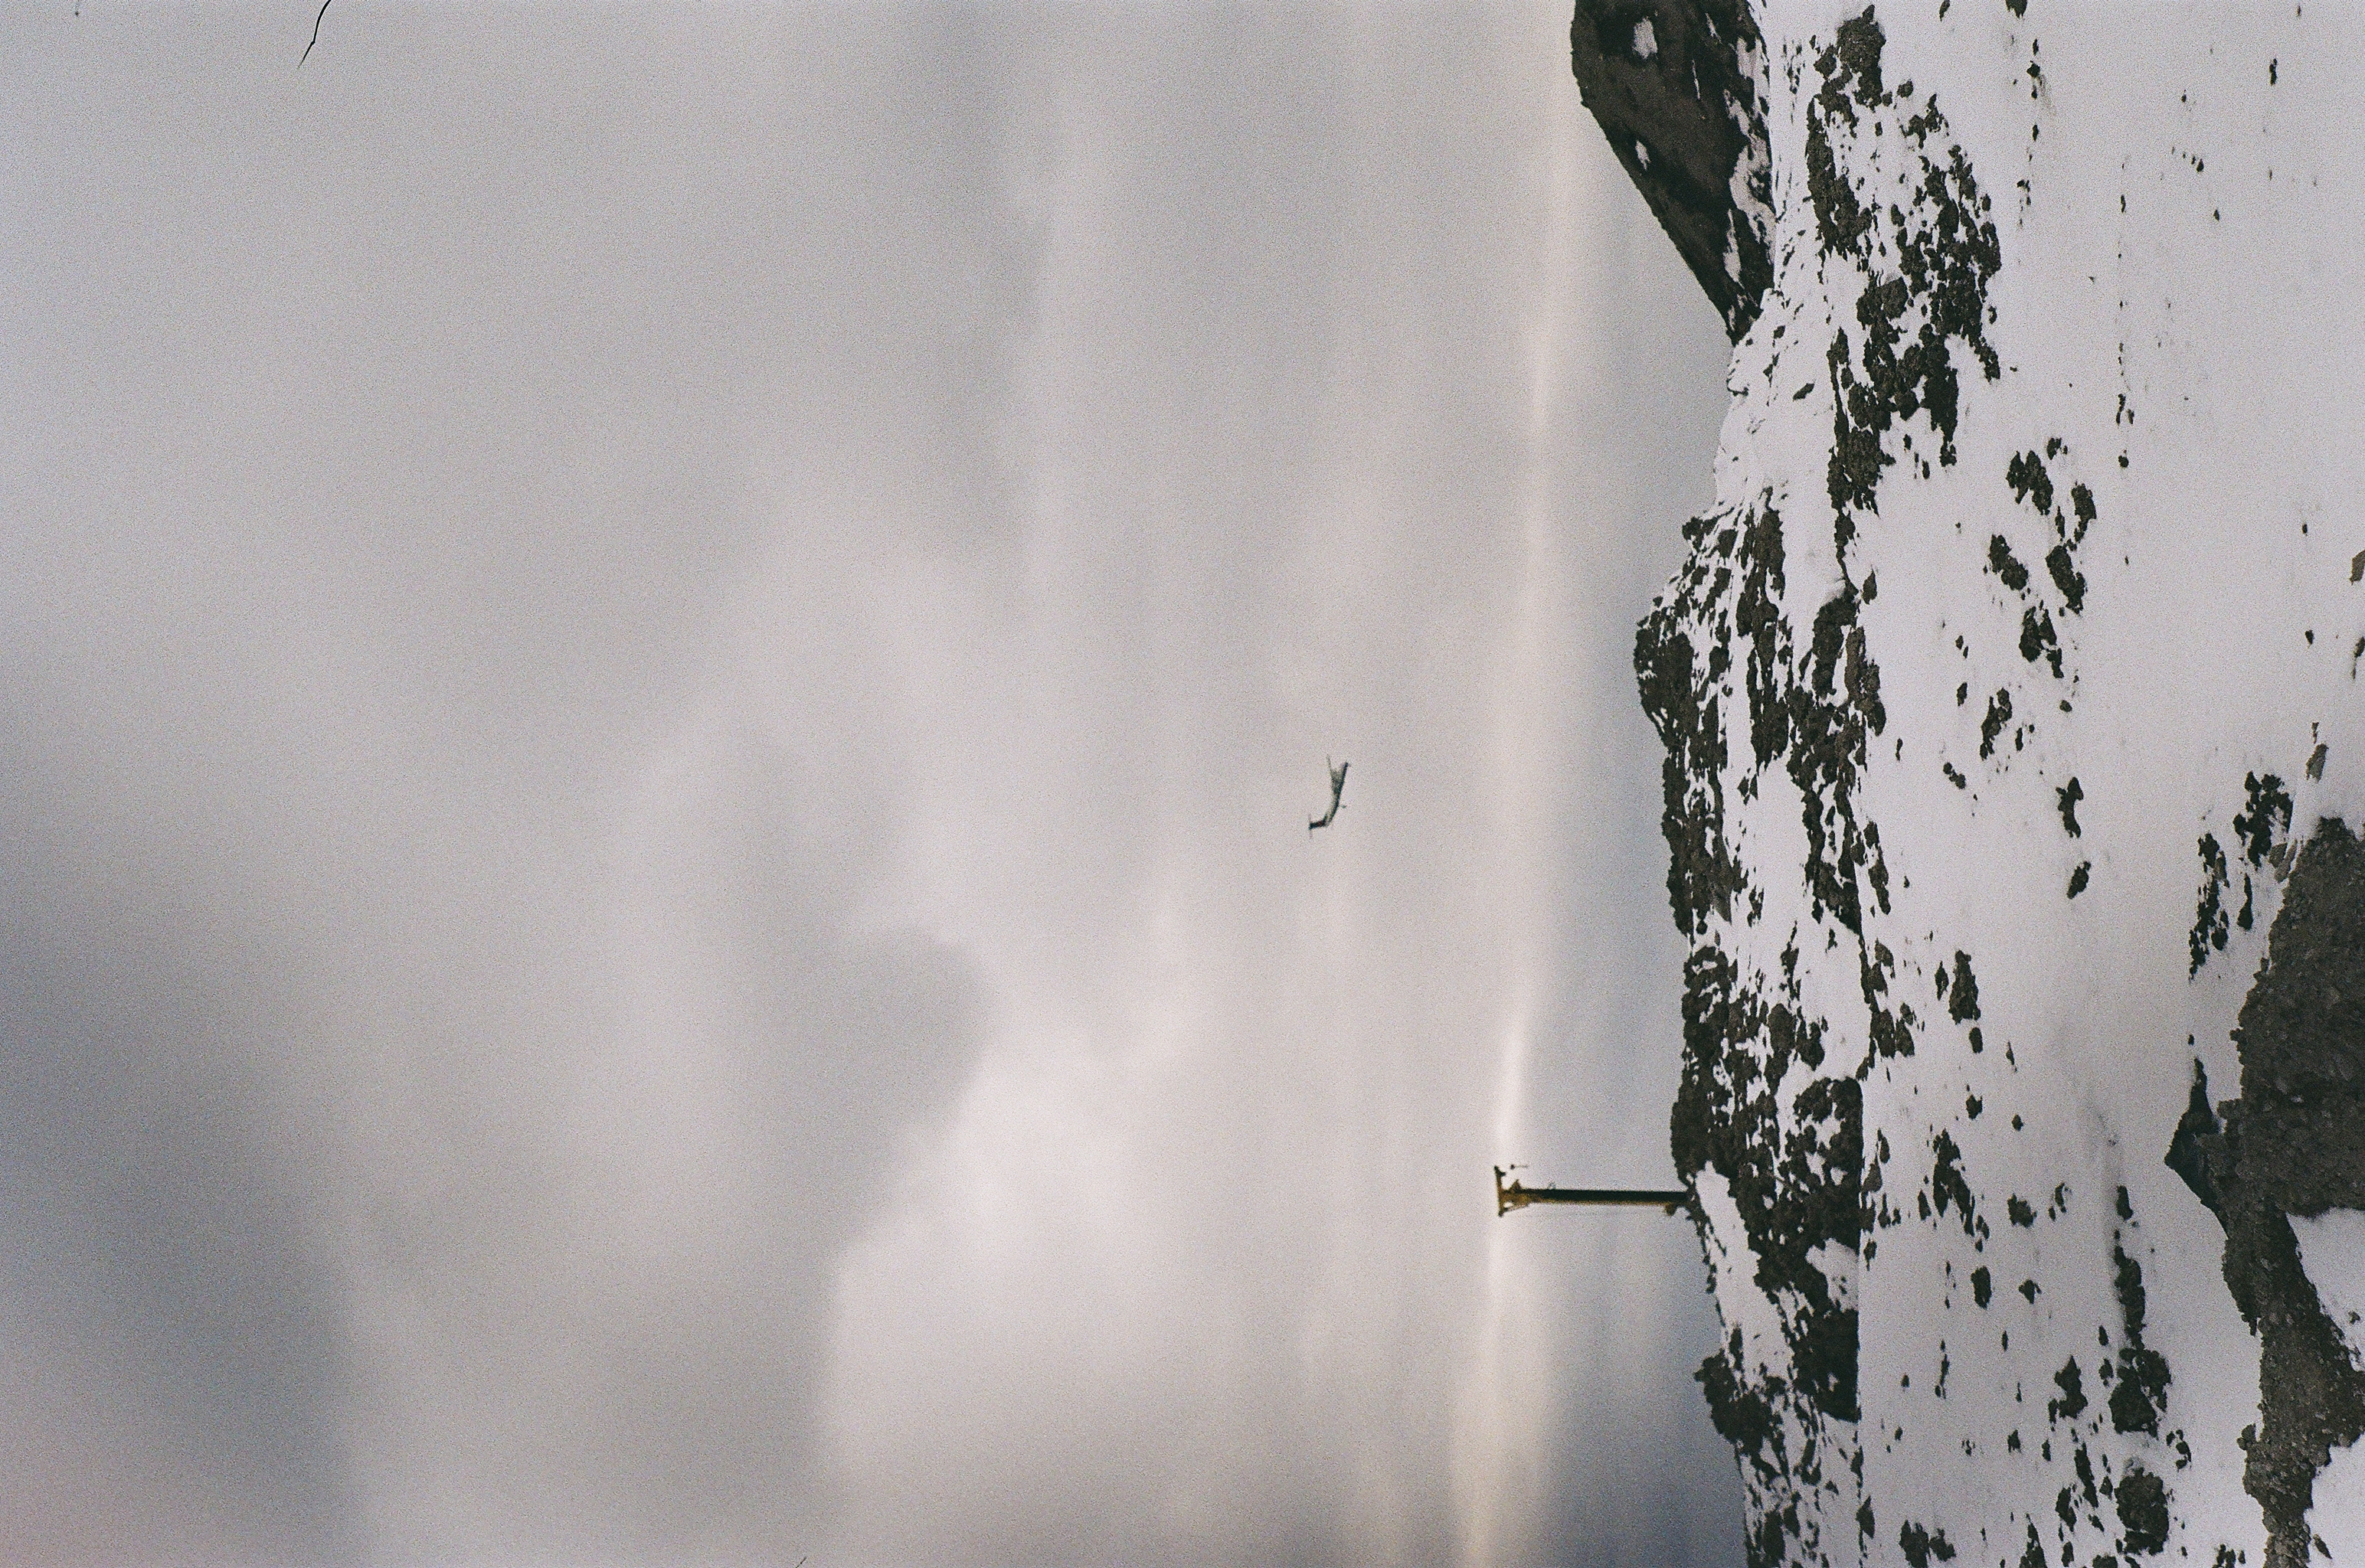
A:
(2016, 747)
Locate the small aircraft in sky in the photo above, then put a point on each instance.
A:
(1337, 788)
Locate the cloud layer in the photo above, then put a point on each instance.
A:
(657, 673)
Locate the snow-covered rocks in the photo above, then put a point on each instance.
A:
(2332, 1250)
(2015, 748)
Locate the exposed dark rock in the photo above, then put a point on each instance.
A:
(2139, 1393)
(2265, 819)
(2067, 796)
(2005, 565)
(2061, 566)
(1944, 253)
(1922, 1547)
(2072, 1384)
(1741, 1415)
(2143, 1510)
(1999, 714)
(2293, 1145)
(1788, 1145)
(1947, 1186)
(2211, 924)
(2029, 481)
(1674, 86)
(1963, 994)
(2198, 1152)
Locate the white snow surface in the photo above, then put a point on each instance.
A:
(2179, 319)
(2338, 1518)
(2332, 1250)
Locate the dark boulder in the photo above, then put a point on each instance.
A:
(1674, 85)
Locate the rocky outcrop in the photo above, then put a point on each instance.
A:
(2292, 1146)
(1677, 87)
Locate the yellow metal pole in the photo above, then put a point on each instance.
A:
(1509, 1195)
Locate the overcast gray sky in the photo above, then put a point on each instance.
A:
(659, 673)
